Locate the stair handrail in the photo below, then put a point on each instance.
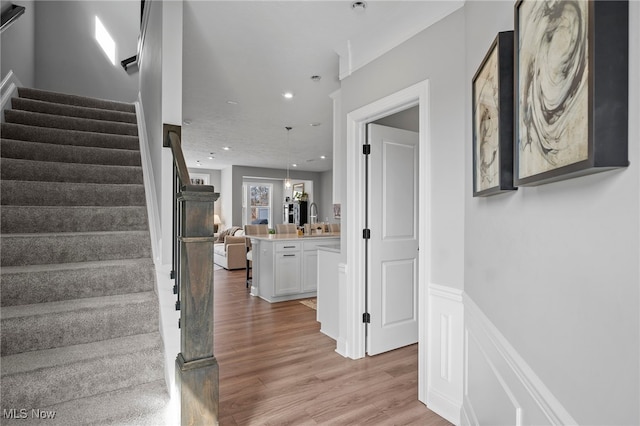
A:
(173, 137)
(196, 366)
(10, 16)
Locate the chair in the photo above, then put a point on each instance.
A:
(286, 228)
(252, 230)
(334, 227)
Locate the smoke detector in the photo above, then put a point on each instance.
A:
(358, 6)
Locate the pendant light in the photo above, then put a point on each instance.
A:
(287, 181)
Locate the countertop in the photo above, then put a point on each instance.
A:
(292, 237)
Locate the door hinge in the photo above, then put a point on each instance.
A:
(366, 149)
(366, 234)
(172, 275)
(366, 318)
(177, 305)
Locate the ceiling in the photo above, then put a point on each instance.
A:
(239, 57)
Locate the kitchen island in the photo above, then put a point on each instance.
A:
(285, 266)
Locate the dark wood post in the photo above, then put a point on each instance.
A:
(196, 367)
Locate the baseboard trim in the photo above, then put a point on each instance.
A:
(531, 399)
(443, 405)
(150, 192)
(168, 315)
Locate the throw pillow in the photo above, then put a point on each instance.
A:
(229, 231)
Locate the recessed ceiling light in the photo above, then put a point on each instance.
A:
(230, 102)
(226, 148)
(294, 165)
(315, 124)
(186, 122)
(211, 157)
(288, 95)
(322, 157)
(316, 78)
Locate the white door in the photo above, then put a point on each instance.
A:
(392, 265)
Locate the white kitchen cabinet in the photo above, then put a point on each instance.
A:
(287, 266)
(287, 269)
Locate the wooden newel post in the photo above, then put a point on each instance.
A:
(196, 367)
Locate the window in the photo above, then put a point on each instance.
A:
(257, 207)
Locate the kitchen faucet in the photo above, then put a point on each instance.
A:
(313, 213)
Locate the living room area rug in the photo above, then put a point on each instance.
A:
(311, 303)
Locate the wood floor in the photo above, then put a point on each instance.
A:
(276, 368)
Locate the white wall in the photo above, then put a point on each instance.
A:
(150, 81)
(171, 108)
(18, 46)
(325, 209)
(436, 54)
(555, 267)
(68, 58)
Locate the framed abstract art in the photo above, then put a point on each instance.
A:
(571, 89)
(492, 88)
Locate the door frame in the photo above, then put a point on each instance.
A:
(357, 120)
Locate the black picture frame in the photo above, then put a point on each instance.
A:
(571, 97)
(492, 104)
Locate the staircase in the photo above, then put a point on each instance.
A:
(79, 313)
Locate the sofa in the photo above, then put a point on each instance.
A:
(229, 250)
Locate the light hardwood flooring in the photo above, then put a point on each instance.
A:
(276, 368)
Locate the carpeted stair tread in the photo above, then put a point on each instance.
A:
(47, 219)
(27, 362)
(35, 151)
(82, 101)
(25, 285)
(38, 249)
(33, 105)
(24, 132)
(51, 376)
(69, 123)
(79, 314)
(141, 405)
(72, 322)
(29, 170)
(33, 193)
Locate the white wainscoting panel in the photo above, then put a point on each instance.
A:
(444, 368)
(499, 386)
